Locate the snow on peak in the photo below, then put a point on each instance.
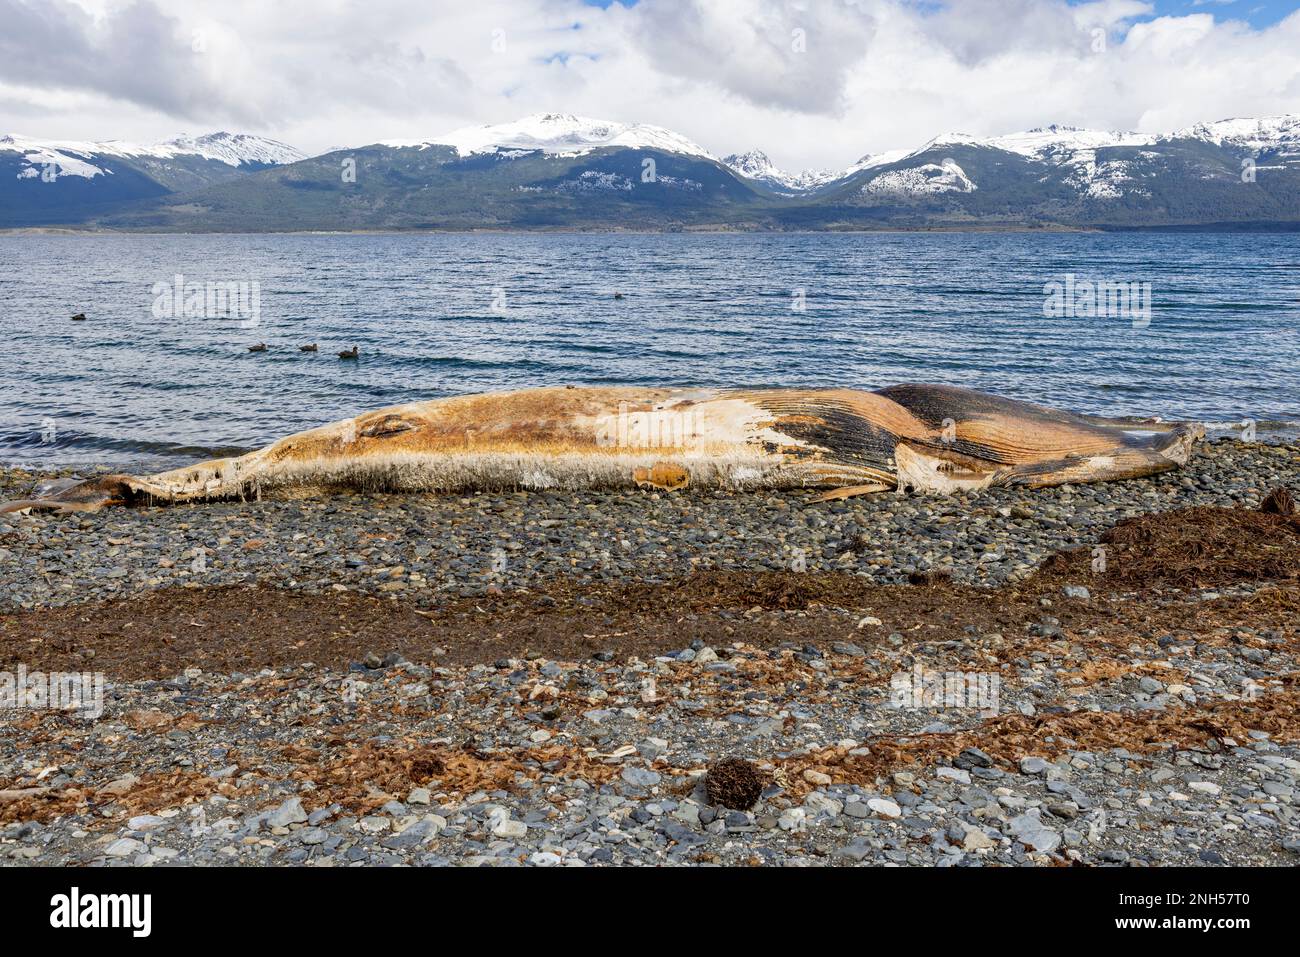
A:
(63, 159)
(560, 133)
(1257, 135)
(1042, 141)
(951, 139)
(1075, 144)
(872, 160)
(926, 179)
(1072, 149)
(757, 166)
(232, 149)
(1054, 140)
(1069, 147)
(76, 158)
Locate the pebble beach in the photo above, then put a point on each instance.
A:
(551, 679)
(424, 548)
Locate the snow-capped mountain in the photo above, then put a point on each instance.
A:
(1068, 148)
(1262, 135)
(71, 158)
(1045, 141)
(757, 166)
(561, 134)
(562, 171)
(44, 181)
(233, 149)
(1071, 150)
(1093, 164)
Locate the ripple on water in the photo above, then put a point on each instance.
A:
(865, 310)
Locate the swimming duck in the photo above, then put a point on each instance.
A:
(310, 348)
(79, 317)
(260, 347)
(348, 353)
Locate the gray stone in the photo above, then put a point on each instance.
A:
(1032, 765)
(423, 831)
(290, 812)
(855, 851)
(146, 822)
(126, 847)
(972, 758)
(321, 814)
(511, 830)
(1029, 830)
(857, 809)
(641, 777)
(884, 807)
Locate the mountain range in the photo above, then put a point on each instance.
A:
(560, 171)
(46, 182)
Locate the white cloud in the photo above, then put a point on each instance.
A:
(729, 74)
(785, 54)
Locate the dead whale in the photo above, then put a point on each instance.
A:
(919, 438)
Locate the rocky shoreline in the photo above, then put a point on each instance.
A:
(546, 679)
(427, 548)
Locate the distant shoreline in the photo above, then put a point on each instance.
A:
(1269, 228)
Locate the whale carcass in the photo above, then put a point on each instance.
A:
(921, 438)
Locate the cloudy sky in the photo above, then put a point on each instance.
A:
(815, 83)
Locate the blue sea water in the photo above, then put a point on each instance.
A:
(440, 314)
